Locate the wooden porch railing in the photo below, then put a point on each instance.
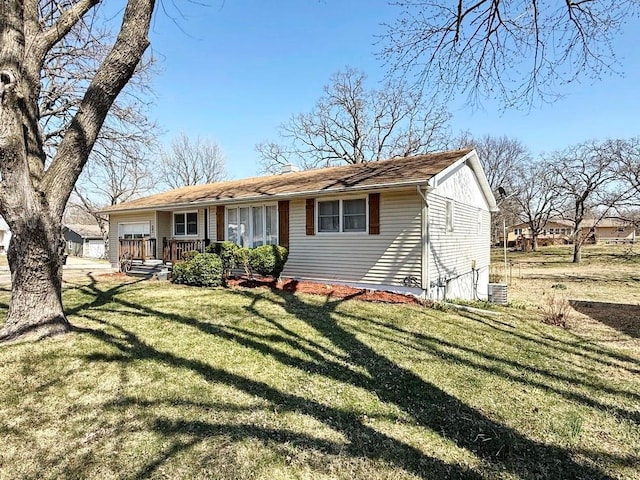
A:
(172, 250)
(138, 248)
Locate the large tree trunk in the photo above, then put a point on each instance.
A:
(35, 260)
(32, 197)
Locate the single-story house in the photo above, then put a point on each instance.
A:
(418, 224)
(84, 240)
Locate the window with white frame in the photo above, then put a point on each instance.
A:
(134, 230)
(252, 226)
(185, 223)
(347, 215)
(449, 216)
(517, 231)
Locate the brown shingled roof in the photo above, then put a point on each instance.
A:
(407, 170)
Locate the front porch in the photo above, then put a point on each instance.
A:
(144, 249)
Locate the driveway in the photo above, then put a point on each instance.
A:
(75, 268)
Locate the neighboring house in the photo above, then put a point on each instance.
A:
(558, 231)
(5, 236)
(555, 231)
(84, 240)
(608, 230)
(417, 225)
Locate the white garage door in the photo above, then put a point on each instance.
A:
(94, 249)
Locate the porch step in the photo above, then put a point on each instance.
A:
(152, 262)
(146, 270)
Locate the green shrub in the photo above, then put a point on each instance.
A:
(204, 269)
(268, 260)
(189, 255)
(227, 253)
(182, 272)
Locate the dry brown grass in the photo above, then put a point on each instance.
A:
(603, 290)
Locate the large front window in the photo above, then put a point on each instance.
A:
(342, 215)
(252, 226)
(185, 223)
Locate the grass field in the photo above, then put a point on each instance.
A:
(164, 381)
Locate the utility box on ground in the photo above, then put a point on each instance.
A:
(498, 293)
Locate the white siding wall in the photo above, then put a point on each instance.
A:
(384, 259)
(164, 227)
(117, 218)
(213, 224)
(452, 253)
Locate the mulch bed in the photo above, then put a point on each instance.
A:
(328, 290)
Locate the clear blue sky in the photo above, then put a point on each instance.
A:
(235, 70)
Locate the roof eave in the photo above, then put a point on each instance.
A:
(274, 197)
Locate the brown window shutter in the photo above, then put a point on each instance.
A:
(220, 223)
(311, 216)
(283, 223)
(374, 214)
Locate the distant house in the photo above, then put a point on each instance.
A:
(417, 224)
(84, 240)
(555, 232)
(608, 230)
(5, 236)
(559, 231)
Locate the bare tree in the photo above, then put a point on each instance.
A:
(118, 168)
(630, 168)
(537, 196)
(518, 51)
(353, 124)
(34, 190)
(192, 161)
(588, 176)
(502, 158)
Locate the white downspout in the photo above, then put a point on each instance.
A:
(425, 271)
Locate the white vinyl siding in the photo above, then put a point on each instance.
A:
(116, 219)
(384, 259)
(455, 247)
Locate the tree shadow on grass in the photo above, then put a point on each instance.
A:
(498, 446)
(621, 317)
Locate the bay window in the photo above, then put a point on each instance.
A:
(252, 226)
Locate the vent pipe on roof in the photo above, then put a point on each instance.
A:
(288, 168)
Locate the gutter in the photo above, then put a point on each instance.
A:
(425, 273)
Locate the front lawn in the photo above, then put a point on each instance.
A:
(165, 381)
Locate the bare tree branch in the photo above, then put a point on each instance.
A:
(353, 124)
(192, 161)
(518, 51)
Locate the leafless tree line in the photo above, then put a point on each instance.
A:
(591, 180)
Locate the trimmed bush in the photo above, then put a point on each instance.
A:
(189, 255)
(227, 253)
(268, 260)
(204, 269)
(182, 272)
